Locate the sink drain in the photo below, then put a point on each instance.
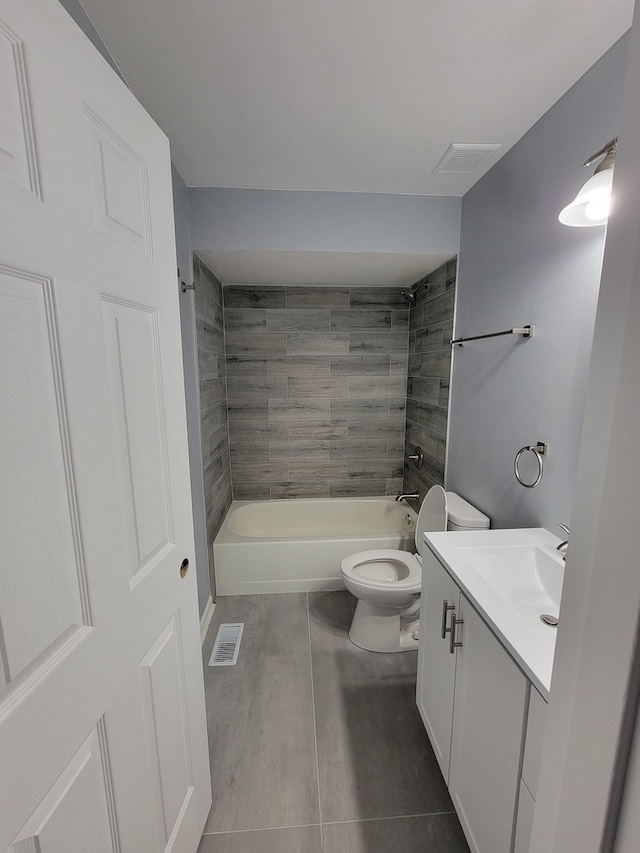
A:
(548, 619)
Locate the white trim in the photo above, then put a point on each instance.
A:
(207, 616)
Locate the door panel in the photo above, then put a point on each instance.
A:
(101, 694)
(135, 385)
(120, 185)
(44, 565)
(18, 162)
(152, 734)
(162, 679)
(76, 813)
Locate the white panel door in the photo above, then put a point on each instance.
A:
(102, 724)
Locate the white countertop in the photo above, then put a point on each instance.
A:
(515, 619)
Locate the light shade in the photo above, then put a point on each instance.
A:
(592, 204)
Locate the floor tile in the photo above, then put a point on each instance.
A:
(374, 756)
(425, 834)
(297, 839)
(260, 718)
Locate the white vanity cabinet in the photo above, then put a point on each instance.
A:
(536, 724)
(472, 698)
(436, 666)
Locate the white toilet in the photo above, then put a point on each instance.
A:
(387, 583)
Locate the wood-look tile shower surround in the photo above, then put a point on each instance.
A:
(316, 387)
(213, 400)
(430, 330)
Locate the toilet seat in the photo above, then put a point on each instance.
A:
(384, 569)
(371, 574)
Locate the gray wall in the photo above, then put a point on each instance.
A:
(323, 221)
(519, 265)
(192, 396)
(316, 387)
(77, 12)
(213, 402)
(430, 330)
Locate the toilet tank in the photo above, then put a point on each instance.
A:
(462, 516)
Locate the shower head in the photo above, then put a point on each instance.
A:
(411, 296)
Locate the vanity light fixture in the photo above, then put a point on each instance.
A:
(592, 204)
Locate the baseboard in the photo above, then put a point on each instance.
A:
(207, 616)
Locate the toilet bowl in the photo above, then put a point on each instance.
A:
(387, 582)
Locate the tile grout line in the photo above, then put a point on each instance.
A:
(388, 817)
(313, 706)
(328, 823)
(262, 829)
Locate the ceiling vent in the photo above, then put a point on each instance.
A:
(463, 158)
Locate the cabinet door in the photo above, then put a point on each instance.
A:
(436, 665)
(486, 742)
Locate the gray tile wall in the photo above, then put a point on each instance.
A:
(213, 401)
(430, 330)
(316, 385)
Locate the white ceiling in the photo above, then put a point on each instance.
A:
(351, 95)
(346, 95)
(370, 269)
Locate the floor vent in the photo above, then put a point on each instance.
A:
(464, 158)
(227, 644)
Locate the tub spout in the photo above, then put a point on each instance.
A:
(410, 496)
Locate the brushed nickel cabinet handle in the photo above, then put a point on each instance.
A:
(452, 635)
(446, 607)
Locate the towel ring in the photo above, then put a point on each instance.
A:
(539, 450)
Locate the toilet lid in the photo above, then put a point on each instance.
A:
(432, 515)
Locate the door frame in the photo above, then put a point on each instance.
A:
(594, 691)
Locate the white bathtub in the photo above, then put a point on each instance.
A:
(298, 545)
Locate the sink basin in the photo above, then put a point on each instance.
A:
(527, 577)
(512, 578)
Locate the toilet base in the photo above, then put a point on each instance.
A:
(383, 629)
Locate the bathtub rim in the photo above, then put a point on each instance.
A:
(226, 536)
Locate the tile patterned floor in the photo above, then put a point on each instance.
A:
(317, 746)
